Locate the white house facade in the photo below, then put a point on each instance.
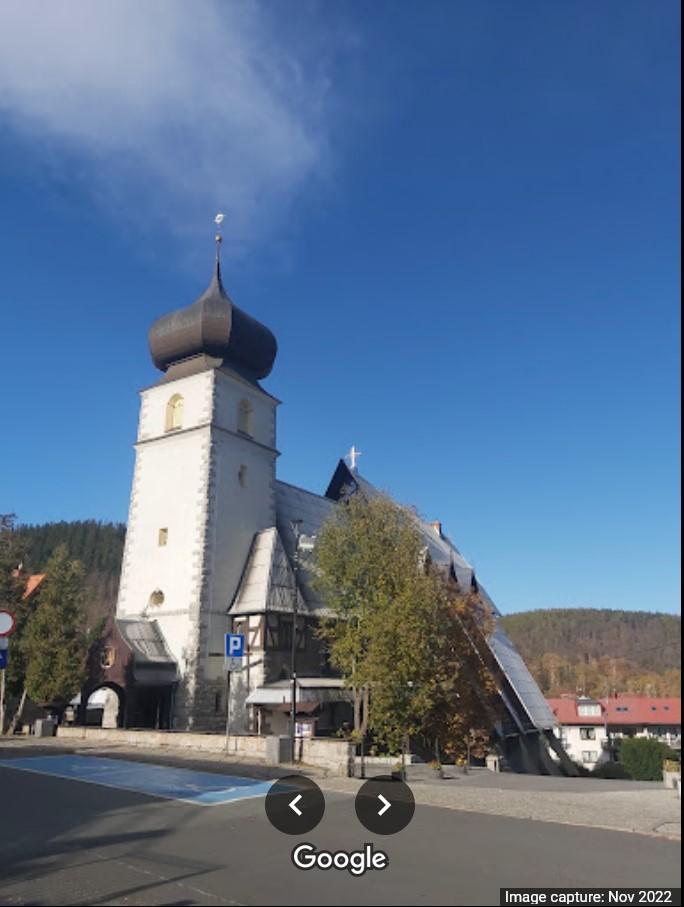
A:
(590, 728)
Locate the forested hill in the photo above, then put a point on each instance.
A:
(570, 649)
(99, 547)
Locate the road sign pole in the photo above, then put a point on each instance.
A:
(228, 673)
(233, 653)
(2, 701)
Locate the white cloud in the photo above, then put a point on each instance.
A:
(187, 107)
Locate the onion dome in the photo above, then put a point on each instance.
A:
(214, 327)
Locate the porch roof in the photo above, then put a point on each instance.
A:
(309, 690)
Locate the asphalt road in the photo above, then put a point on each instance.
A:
(65, 842)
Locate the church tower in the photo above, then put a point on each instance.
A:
(203, 485)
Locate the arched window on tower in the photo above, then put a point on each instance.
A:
(245, 417)
(174, 413)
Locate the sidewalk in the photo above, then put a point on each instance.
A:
(641, 807)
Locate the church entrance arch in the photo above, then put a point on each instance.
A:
(104, 706)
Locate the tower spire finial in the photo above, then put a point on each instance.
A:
(218, 238)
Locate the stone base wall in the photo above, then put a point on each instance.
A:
(209, 707)
(332, 756)
(199, 705)
(335, 756)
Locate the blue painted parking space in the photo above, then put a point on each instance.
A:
(199, 788)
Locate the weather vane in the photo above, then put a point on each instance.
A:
(218, 239)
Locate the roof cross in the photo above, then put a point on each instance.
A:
(352, 457)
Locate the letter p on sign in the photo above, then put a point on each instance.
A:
(235, 645)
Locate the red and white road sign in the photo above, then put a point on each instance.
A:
(7, 622)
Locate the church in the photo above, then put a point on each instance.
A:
(213, 546)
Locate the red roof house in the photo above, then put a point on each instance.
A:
(623, 709)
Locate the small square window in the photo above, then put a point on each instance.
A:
(163, 537)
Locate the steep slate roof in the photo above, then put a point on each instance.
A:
(312, 510)
(268, 579)
(293, 503)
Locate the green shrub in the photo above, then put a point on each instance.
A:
(643, 758)
(611, 770)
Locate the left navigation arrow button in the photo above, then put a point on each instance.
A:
(294, 804)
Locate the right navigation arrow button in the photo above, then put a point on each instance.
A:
(385, 807)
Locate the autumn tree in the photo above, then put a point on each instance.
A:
(361, 560)
(396, 636)
(55, 644)
(465, 705)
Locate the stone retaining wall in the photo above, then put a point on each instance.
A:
(333, 756)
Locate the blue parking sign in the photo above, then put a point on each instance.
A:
(3, 659)
(235, 645)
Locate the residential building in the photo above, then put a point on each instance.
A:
(590, 728)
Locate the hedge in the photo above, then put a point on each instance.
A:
(612, 770)
(643, 758)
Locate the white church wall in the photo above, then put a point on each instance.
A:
(241, 500)
(243, 504)
(230, 391)
(170, 493)
(203, 486)
(169, 483)
(197, 394)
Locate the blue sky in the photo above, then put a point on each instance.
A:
(460, 219)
